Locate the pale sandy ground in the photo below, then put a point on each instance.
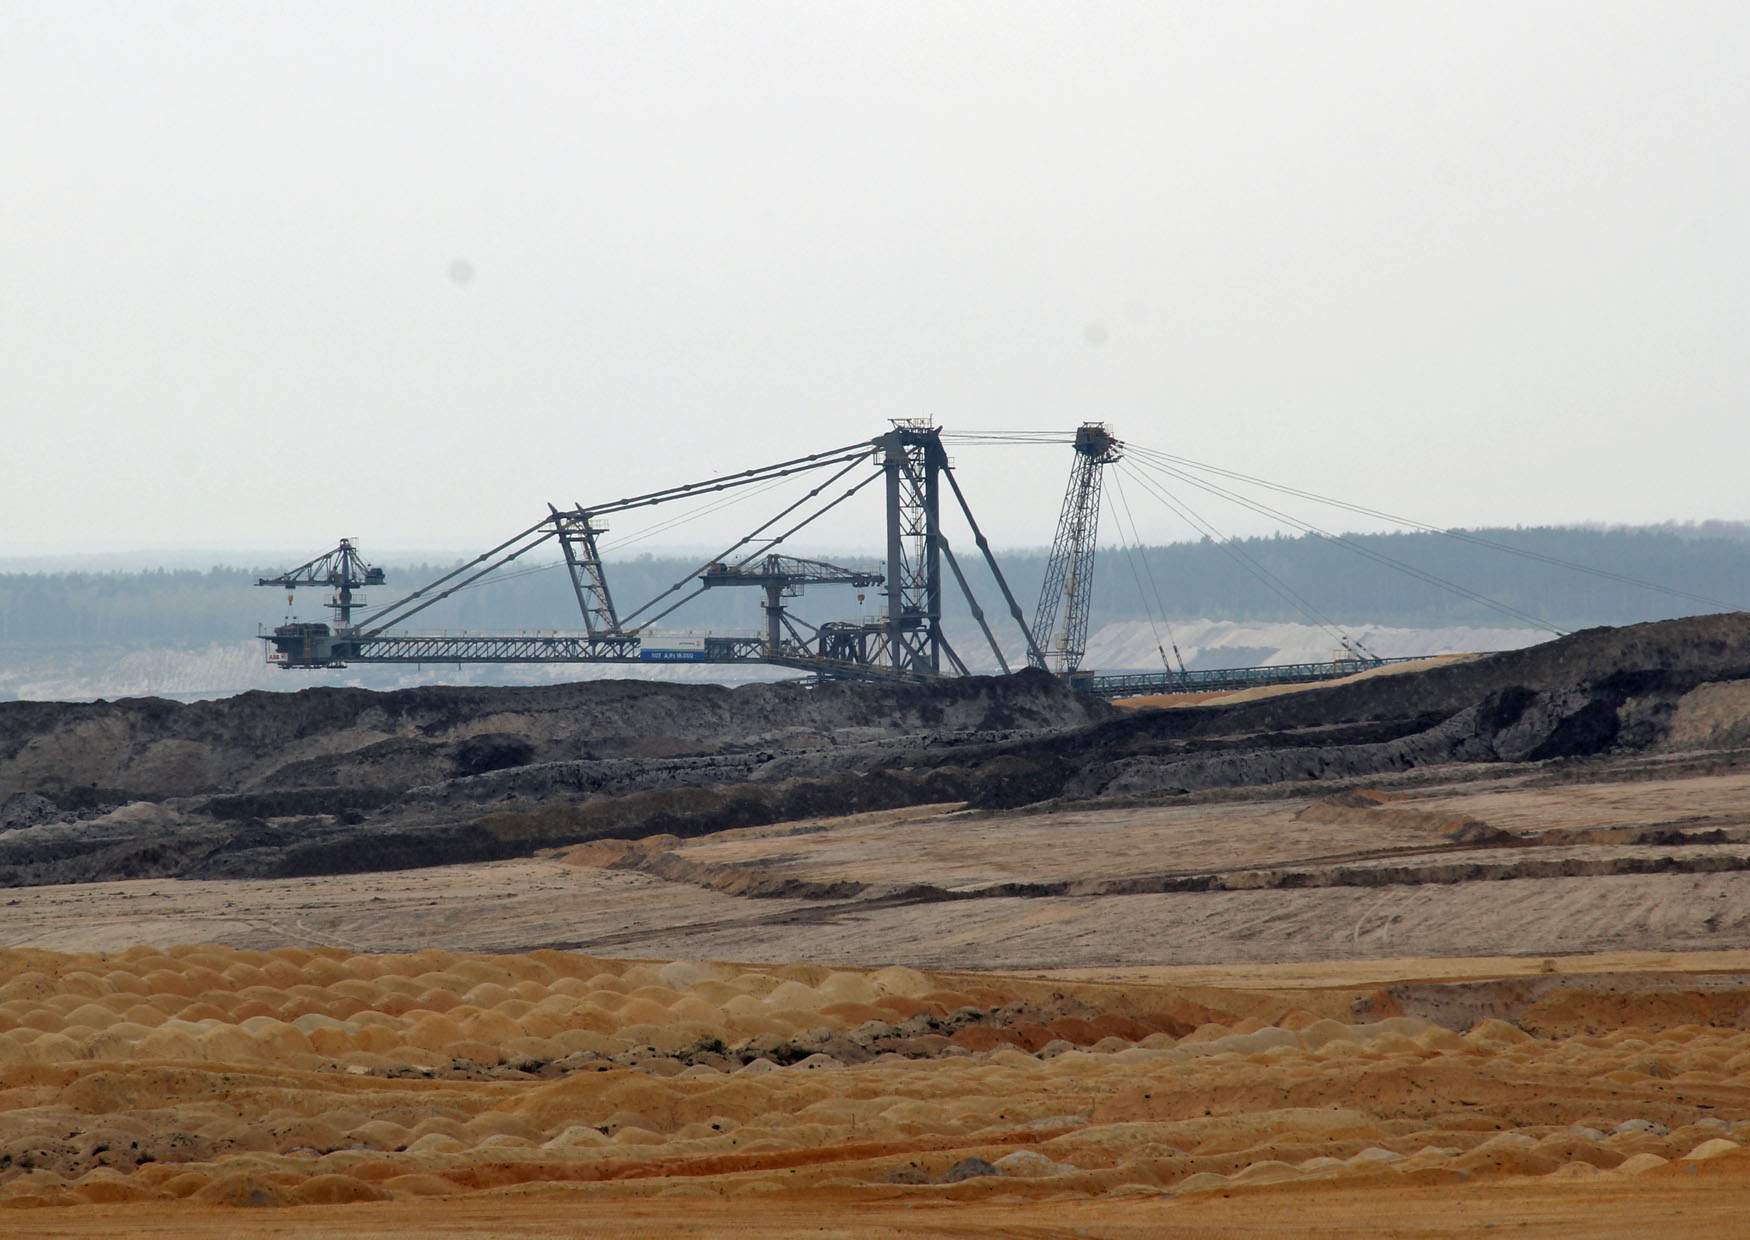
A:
(1697, 801)
(966, 851)
(504, 906)
(516, 905)
(1436, 970)
(1175, 701)
(523, 904)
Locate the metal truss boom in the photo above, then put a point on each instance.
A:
(907, 642)
(750, 537)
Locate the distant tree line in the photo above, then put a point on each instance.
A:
(1256, 579)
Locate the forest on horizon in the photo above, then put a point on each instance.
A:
(1205, 579)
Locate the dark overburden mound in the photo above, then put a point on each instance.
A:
(150, 749)
(1597, 692)
(348, 780)
(352, 780)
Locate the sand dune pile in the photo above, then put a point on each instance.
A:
(278, 1078)
(327, 1009)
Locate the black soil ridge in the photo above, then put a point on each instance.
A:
(346, 781)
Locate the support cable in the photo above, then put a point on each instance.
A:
(625, 621)
(503, 577)
(1456, 535)
(1008, 436)
(1148, 571)
(751, 556)
(439, 597)
(1379, 557)
(455, 572)
(715, 506)
(1246, 562)
(1148, 610)
(817, 460)
(754, 555)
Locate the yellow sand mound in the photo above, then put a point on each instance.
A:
(209, 1078)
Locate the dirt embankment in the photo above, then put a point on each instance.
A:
(347, 780)
(1603, 692)
(1460, 849)
(1599, 692)
(78, 754)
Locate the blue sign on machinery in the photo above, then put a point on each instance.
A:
(647, 655)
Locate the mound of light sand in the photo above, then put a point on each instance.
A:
(1225, 643)
(325, 1009)
(1711, 716)
(217, 1077)
(1231, 697)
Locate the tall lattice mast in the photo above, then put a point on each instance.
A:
(912, 458)
(1060, 624)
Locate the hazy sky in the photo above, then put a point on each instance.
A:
(273, 273)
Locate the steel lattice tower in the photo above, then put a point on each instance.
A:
(912, 457)
(1061, 622)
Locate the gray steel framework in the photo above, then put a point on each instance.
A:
(583, 564)
(1068, 589)
(906, 642)
(526, 648)
(783, 577)
(911, 458)
(338, 651)
(342, 570)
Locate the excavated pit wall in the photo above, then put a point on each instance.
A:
(348, 781)
(150, 749)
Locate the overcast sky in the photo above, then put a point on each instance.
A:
(274, 273)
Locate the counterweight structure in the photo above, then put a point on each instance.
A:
(1060, 622)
